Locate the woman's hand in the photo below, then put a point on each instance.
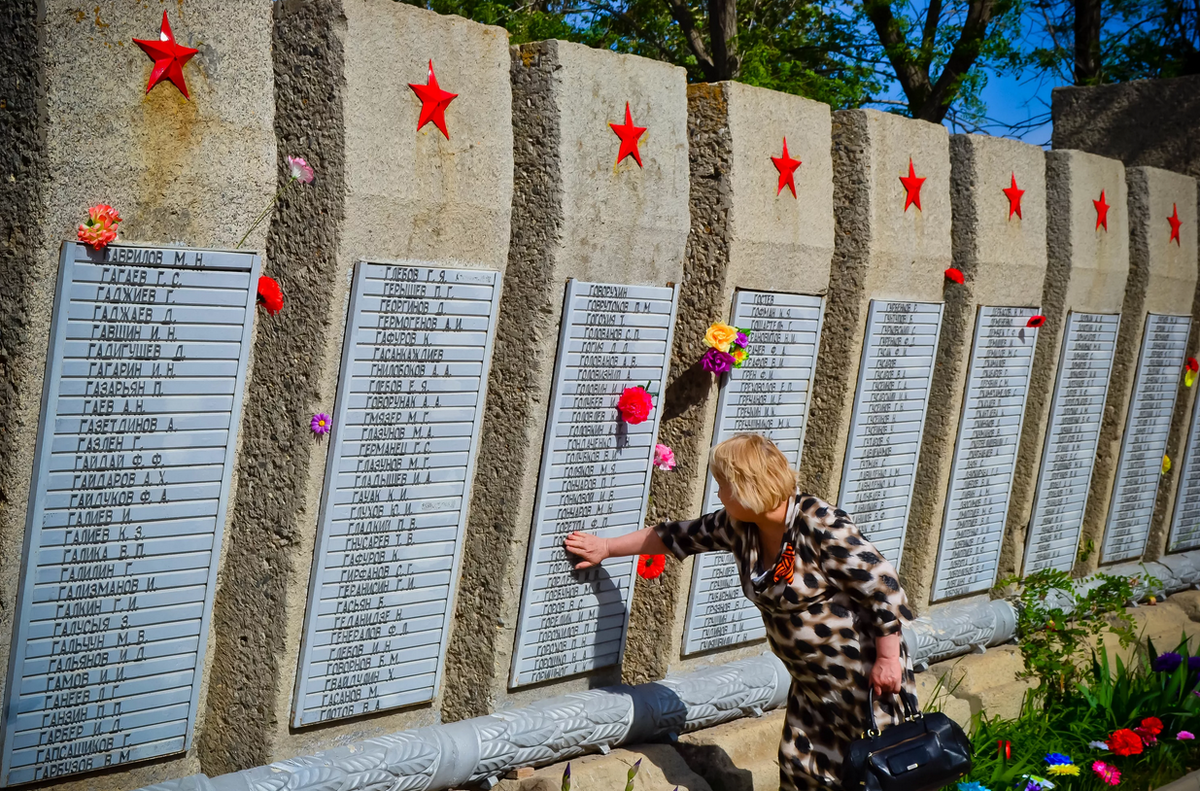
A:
(590, 550)
(886, 675)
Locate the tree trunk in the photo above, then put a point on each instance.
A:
(1087, 42)
(722, 30)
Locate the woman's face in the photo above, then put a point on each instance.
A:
(732, 507)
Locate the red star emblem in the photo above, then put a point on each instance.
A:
(168, 58)
(1102, 208)
(1014, 198)
(787, 170)
(630, 135)
(912, 187)
(434, 102)
(1175, 223)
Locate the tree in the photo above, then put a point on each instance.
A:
(1088, 42)
(954, 39)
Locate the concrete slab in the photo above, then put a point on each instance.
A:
(178, 172)
(746, 233)
(384, 190)
(581, 213)
(883, 250)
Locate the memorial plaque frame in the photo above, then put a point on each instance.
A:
(1124, 459)
(121, 257)
(973, 393)
(856, 414)
(705, 561)
(322, 549)
(1188, 492)
(577, 288)
(1049, 445)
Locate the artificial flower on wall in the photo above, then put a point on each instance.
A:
(100, 228)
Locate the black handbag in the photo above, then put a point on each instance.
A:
(923, 753)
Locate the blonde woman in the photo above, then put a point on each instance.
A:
(832, 606)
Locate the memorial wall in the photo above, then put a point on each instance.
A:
(595, 260)
(1161, 206)
(1147, 369)
(124, 368)
(983, 367)
(758, 257)
(882, 321)
(236, 534)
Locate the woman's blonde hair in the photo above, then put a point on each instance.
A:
(756, 471)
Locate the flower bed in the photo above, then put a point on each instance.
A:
(1094, 721)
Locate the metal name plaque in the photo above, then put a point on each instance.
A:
(595, 476)
(889, 418)
(1185, 521)
(985, 453)
(143, 392)
(768, 395)
(1069, 453)
(1145, 440)
(397, 486)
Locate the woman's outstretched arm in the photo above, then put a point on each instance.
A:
(592, 550)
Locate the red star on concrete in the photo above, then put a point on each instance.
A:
(1102, 208)
(630, 135)
(1175, 223)
(787, 170)
(168, 58)
(434, 102)
(1014, 198)
(912, 187)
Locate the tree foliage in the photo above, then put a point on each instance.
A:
(1088, 42)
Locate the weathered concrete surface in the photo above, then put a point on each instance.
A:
(661, 767)
(1003, 261)
(1159, 282)
(745, 234)
(1155, 195)
(1086, 273)
(881, 252)
(577, 213)
(736, 756)
(1143, 122)
(191, 172)
(383, 190)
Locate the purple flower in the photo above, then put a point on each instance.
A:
(716, 361)
(742, 339)
(1194, 663)
(320, 423)
(1167, 662)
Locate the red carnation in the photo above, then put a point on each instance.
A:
(270, 295)
(635, 405)
(1035, 321)
(650, 566)
(1152, 725)
(1125, 742)
(1192, 365)
(955, 274)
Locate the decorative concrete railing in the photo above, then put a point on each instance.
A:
(478, 751)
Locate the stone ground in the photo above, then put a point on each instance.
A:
(740, 755)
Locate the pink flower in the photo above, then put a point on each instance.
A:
(100, 227)
(664, 457)
(1107, 773)
(321, 423)
(300, 170)
(1184, 736)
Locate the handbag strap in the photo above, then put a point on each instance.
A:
(905, 704)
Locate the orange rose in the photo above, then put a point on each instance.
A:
(720, 336)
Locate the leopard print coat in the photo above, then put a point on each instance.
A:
(822, 622)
